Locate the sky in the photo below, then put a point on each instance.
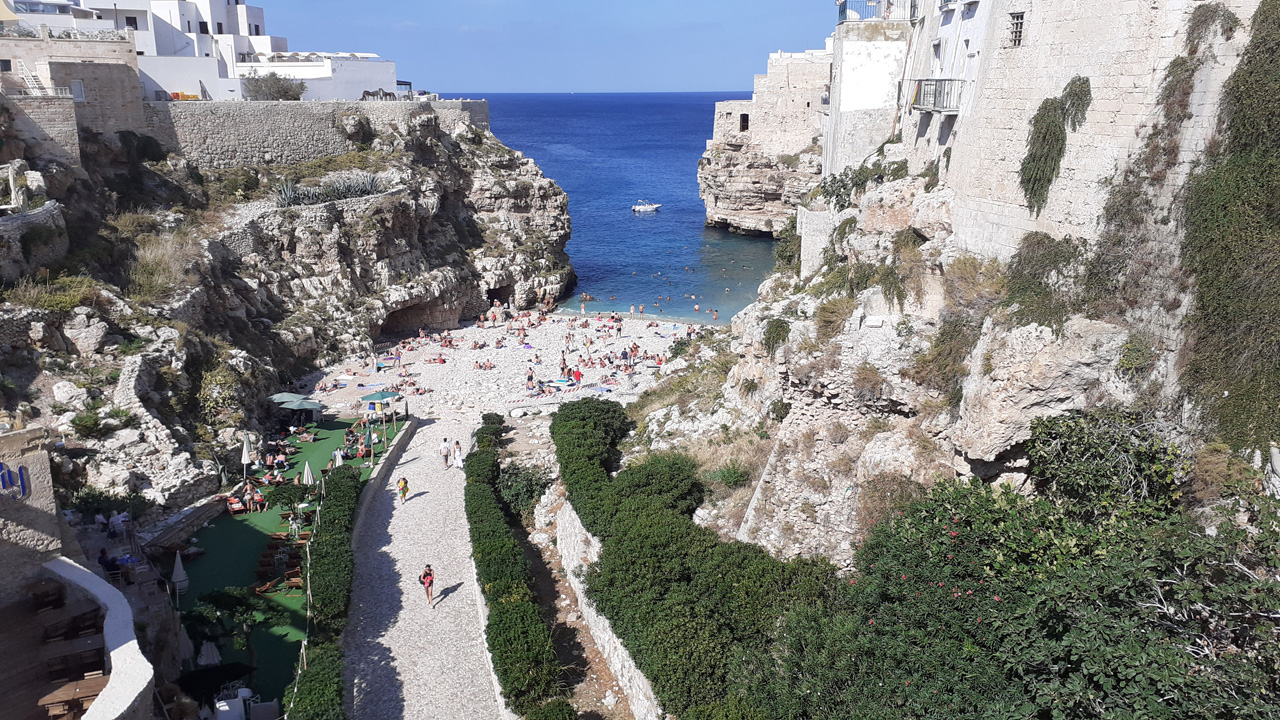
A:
(496, 46)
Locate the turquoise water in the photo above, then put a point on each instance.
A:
(609, 150)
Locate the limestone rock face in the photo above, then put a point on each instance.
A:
(1033, 373)
(750, 191)
(890, 207)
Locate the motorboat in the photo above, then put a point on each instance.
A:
(644, 206)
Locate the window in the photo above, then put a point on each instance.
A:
(141, 52)
(219, 28)
(257, 29)
(744, 122)
(1015, 29)
(204, 28)
(6, 66)
(131, 22)
(77, 90)
(188, 26)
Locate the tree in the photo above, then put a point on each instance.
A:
(234, 613)
(273, 87)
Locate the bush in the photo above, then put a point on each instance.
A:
(731, 475)
(519, 641)
(943, 367)
(521, 487)
(1047, 140)
(273, 87)
(554, 710)
(776, 332)
(1039, 280)
(779, 410)
(319, 686)
(786, 251)
(679, 347)
(492, 419)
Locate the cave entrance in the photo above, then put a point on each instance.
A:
(502, 294)
(406, 322)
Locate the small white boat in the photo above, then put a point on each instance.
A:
(644, 206)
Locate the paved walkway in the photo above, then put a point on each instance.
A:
(403, 659)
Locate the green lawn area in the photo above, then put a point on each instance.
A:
(233, 545)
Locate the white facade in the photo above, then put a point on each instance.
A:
(202, 49)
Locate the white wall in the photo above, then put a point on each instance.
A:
(869, 61)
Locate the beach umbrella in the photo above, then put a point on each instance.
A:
(380, 396)
(186, 649)
(307, 477)
(209, 655)
(285, 397)
(246, 458)
(180, 581)
(303, 405)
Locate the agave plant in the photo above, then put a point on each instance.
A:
(286, 194)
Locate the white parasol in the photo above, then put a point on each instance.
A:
(246, 457)
(180, 581)
(209, 655)
(307, 477)
(186, 649)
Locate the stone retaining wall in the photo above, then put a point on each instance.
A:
(578, 549)
(15, 261)
(231, 134)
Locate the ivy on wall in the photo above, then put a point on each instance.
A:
(1047, 140)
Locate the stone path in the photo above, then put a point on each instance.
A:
(403, 659)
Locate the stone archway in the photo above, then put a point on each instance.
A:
(432, 314)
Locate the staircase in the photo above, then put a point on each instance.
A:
(34, 86)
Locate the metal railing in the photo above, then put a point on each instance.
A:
(935, 94)
(856, 10)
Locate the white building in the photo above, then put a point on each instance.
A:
(203, 49)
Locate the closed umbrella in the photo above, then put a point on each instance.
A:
(186, 649)
(307, 477)
(246, 457)
(209, 655)
(284, 397)
(180, 581)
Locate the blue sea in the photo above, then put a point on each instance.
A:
(609, 150)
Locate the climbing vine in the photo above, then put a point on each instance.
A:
(1232, 248)
(1047, 140)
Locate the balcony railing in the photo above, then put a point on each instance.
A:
(935, 95)
(855, 10)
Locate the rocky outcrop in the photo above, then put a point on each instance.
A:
(750, 191)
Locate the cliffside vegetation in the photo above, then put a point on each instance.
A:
(1232, 248)
(1047, 140)
(1100, 595)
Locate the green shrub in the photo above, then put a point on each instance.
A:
(521, 486)
(331, 569)
(319, 687)
(492, 419)
(679, 347)
(1039, 280)
(88, 425)
(776, 332)
(779, 410)
(943, 367)
(554, 710)
(273, 86)
(832, 316)
(786, 251)
(732, 475)
(518, 638)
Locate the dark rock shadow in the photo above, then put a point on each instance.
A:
(570, 653)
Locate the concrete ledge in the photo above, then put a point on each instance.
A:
(128, 692)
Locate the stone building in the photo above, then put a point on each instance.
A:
(57, 82)
(204, 49)
(765, 153)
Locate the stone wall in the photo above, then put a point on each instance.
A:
(786, 106)
(29, 530)
(1124, 56)
(231, 134)
(112, 92)
(578, 549)
(14, 260)
(47, 126)
(868, 64)
(815, 228)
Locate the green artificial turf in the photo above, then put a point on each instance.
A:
(233, 545)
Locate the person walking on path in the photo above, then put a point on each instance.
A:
(457, 454)
(403, 488)
(444, 452)
(428, 578)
